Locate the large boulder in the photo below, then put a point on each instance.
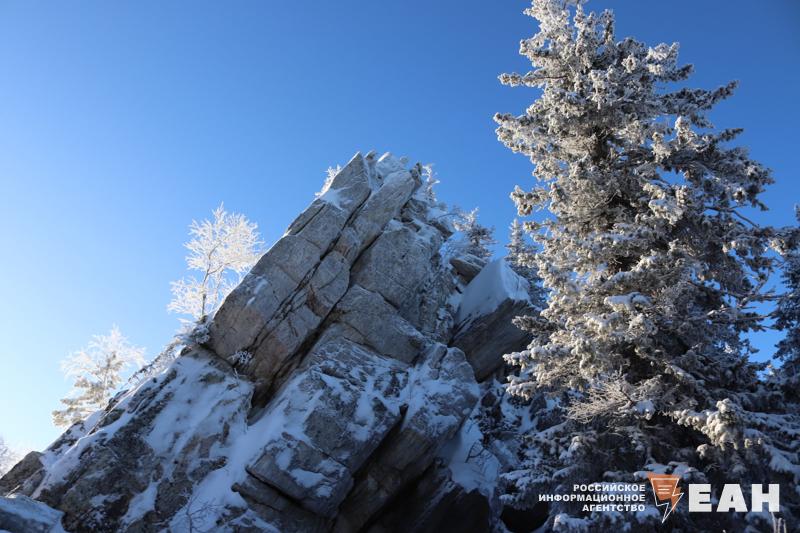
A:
(15, 479)
(485, 331)
(21, 514)
(397, 263)
(366, 318)
(467, 266)
(332, 415)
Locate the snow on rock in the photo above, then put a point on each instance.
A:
(484, 328)
(485, 445)
(461, 490)
(471, 465)
(335, 412)
(23, 514)
(495, 284)
(137, 465)
(438, 398)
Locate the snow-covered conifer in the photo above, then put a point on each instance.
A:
(98, 371)
(521, 256)
(653, 271)
(787, 317)
(477, 239)
(222, 251)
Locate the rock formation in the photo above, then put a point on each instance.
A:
(328, 393)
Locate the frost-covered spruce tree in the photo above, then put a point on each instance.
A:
(521, 257)
(653, 273)
(477, 239)
(98, 371)
(521, 254)
(787, 317)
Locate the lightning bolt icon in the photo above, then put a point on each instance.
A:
(666, 492)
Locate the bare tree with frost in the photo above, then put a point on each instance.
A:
(431, 180)
(477, 239)
(222, 251)
(653, 270)
(8, 457)
(98, 370)
(329, 175)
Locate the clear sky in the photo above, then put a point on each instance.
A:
(120, 122)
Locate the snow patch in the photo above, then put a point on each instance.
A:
(331, 196)
(471, 465)
(493, 285)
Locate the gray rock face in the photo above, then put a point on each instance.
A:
(247, 311)
(441, 394)
(370, 320)
(397, 263)
(155, 443)
(14, 480)
(467, 266)
(488, 337)
(438, 505)
(351, 388)
(337, 409)
(269, 508)
(308, 271)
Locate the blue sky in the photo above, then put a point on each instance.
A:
(120, 122)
